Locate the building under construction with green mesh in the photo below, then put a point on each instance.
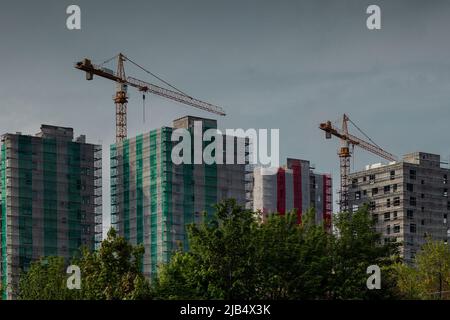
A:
(50, 199)
(152, 199)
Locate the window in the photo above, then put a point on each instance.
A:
(412, 174)
(86, 200)
(410, 214)
(364, 179)
(372, 205)
(387, 189)
(445, 193)
(374, 191)
(354, 182)
(372, 178)
(388, 229)
(412, 201)
(445, 180)
(422, 181)
(422, 222)
(364, 192)
(410, 187)
(396, 201)
(448, 205)
(422, 195)
(394, 214)
(396, 228)
(412, 228)
(375, 218)
(357, 195)
(388, 203)
(394, 188)
(445, 218)
(387, 216)
(392, 174)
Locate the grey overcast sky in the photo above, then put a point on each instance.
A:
(271, 64)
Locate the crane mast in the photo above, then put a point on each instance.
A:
(121, 95)
(121, 100)
(344, 154)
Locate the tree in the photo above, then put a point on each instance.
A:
(45, 280)
(293, 261)
(220, 262)
(357, 246)
(429, 276)
(111, 273)
(234, 256)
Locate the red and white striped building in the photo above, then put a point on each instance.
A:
(294, 186)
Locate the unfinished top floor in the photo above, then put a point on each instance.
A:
(64, 134)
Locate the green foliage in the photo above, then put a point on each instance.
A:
(235, 256)
(45, 280)
(429, 277)
(114, 271)
(293, 261)
(220, 263)
(111, 273)
(355, 247)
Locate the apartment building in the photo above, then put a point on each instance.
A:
(153, 199)
(408, 200)
(294, 186)
(50, 199)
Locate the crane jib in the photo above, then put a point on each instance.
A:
(143, 86)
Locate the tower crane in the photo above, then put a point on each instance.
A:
(122, 83)
(345, 154)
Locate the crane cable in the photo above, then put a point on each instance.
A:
(363, 133)
(108, 60)
(157, 77)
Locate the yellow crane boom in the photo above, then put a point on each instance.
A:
(121, 97)
(344, 153)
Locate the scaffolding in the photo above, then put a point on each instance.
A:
(51, 199)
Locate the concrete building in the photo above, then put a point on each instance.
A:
(294, 186)
(408, 199)
(50, 199)
(153, 199)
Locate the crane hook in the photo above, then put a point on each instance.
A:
(143, 107)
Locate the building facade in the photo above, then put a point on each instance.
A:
(50, 199)
(294, 186)
(408, 200)
(153, 199)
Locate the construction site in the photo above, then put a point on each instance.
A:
(51, 185)
(407, 198)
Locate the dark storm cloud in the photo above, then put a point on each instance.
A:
(271, 64)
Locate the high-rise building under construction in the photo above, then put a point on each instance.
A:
(293, 187)
(153, 199)
(50, 199)
(408, 199)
